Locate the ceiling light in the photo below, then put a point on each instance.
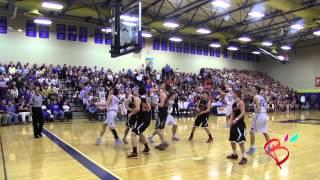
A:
(129, 23)
(281, 58)
(317, 33)
(233, 48)
(285, 47)
(42, 21)
(221, 4)
(245, 39)
(129, 18)
(215, 45)
(256, 14)
(266, 43)
(256, 52)
(171, 24)
(52, 5)
(19, 30)
(203, 31)
(106, 30)
(175, 39)
(146, 34)
(297, 26)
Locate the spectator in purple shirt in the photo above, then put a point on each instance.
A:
(13, 116)
(56, 111)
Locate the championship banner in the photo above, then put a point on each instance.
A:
(43, 31)
(156, 43)
(83, 34)
(164, 44)
(61, 31)
(179, 47)
(186, 47)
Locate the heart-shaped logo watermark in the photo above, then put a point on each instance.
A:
(272, 146)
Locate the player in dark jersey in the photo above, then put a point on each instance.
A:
(238, 128)
(162, 116)
(203, 109)
(130, 121)
(142, 111)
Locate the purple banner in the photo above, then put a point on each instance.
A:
(83, 34)
(72, 33)
(192, 48)
(156, 43)
(31, 29)
(238, 55)
(164, 44)
(199, 49)
(143, 42)
(61, 31)
(179, 47)
(3, 25)
(217, 52)
(186, 47)
(108, 39)
(243, 56)
(225, 53)
(43, 31)
(172, 46)
(98, 36)
(211, 51)
(205, 50)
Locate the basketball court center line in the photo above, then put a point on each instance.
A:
(84, 160)
(3, 159)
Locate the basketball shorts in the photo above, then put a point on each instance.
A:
(130, 121)
(238, 133)
(170, 120)
(140, 126)
(161, 121)
(228, 110)
(201, 121)
(111, 118)
(259, 123)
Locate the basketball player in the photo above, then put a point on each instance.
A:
(162, 116)
(203, 109)
(229, 99)
(260, 120)
(112, 105)
(130, 120)
(170, 120)
(142, 120)
(238, 128)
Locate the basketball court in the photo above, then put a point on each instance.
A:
(78, 65)
(182, 160)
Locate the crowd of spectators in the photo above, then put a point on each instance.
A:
(91, 85)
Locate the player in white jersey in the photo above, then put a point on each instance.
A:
(171, 121)
(229, 100)
(112, 105)
(260, 119)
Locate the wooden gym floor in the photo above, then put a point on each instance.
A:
(69, 152)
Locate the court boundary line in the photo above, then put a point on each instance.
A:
(84, 160)
(3, 159)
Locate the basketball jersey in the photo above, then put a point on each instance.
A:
(203, 105)
(229, 98)
(236, 111)
(170, 106)
(263, 104)
(143, 113)
(114, 105)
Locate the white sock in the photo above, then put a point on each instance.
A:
(244, 155)
(234, 152)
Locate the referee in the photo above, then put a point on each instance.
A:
(36, 112)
